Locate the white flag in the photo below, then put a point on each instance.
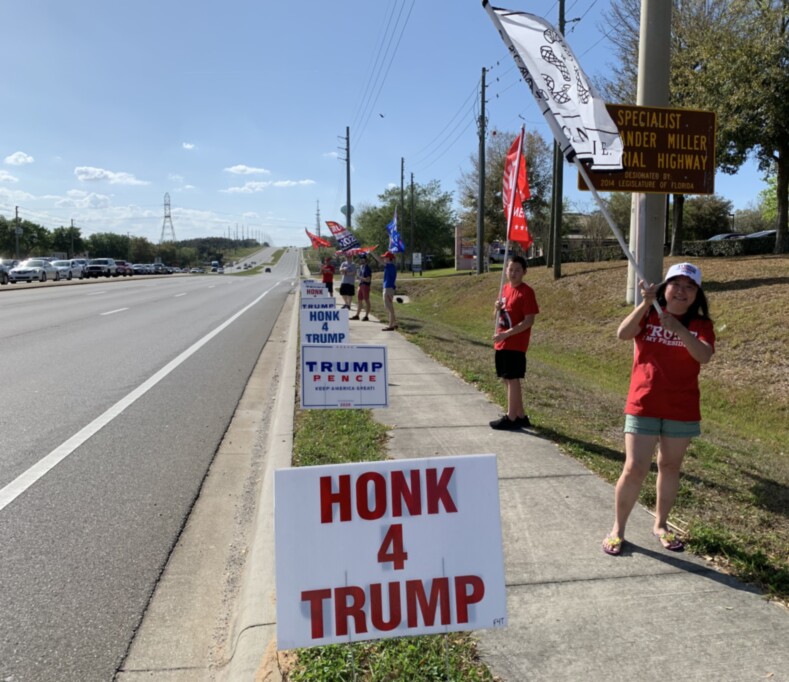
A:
(570, 103)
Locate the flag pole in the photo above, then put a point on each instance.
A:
(612, 224)
(514, 176)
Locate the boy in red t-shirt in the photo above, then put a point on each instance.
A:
(515, 312)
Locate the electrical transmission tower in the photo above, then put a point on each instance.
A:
(168, 231)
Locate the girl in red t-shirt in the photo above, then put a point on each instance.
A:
(663, 402)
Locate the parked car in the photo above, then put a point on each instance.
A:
(33, 270)
(8, 263)
(123, 268)
(101, 267)
(68, 269)
(760, 234)
(3, 275)
(725, 235)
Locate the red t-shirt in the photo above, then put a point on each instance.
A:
(519, 302)
(328, 273)
(665, 378)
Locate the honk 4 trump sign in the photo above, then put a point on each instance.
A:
(388, 549)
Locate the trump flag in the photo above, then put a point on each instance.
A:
(515, 190)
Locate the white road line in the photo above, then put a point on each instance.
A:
(26, 479)
(96, 293)
(112, 312)
(177, 295)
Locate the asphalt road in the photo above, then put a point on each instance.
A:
(115, 396)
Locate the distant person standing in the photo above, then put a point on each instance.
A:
(348, 281)
(365, 280)
(663, 406)
(390, 280)
(327, 272)
(515, 313)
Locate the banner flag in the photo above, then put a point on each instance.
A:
(569, 102)
(317, 242)
(359, 251)
(515, 180)
(395, 243)
(344, 237)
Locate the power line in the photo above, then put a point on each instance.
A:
(370, 78)
(388, 67)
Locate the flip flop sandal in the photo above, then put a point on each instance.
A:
(670, 541)
(612, 545)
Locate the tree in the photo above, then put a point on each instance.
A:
(706, 216)
(108, 245)
(67, 240)
(539, 171)
(434, 219)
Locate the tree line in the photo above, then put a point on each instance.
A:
(37, 240)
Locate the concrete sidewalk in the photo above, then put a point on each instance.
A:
(576, 613)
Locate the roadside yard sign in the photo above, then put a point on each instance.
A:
(388, 549)
(311, 288)
(324, 326)
(666, 151)
(344, 376)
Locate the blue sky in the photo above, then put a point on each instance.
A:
(237, 108)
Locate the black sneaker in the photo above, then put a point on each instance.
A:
(365, 319)
(355, 317)
(523, 422)
(504, 424)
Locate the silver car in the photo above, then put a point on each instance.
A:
(69, 269)
(33, 270)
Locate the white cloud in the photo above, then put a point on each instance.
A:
(253, 187)
(91, 174)
(78, 199)
(241, 169)
(176, 178)
(331, 155)
(5, 176)
(187, 145)
(293, 183)
(19, 159)
(15, 196)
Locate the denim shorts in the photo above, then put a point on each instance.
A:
(653, 426)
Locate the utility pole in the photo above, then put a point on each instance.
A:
(413, 243)
(17, 230)
(71, 234)
(481, 190)
(648, 213)
(557, 198)
(347, 160)
(318, 218)
(401, 210)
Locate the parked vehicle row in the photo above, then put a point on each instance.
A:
(49, 269)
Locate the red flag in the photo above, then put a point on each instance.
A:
(317, 242)
(515, 177)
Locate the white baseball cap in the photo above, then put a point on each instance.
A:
(685, 269)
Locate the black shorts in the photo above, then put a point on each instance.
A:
(510, 364)
(330, 287)
(347, 290)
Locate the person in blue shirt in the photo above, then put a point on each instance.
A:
(390, 277)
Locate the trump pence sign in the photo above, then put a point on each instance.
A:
(388, 549)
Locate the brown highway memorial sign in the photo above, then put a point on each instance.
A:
(666, 151)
